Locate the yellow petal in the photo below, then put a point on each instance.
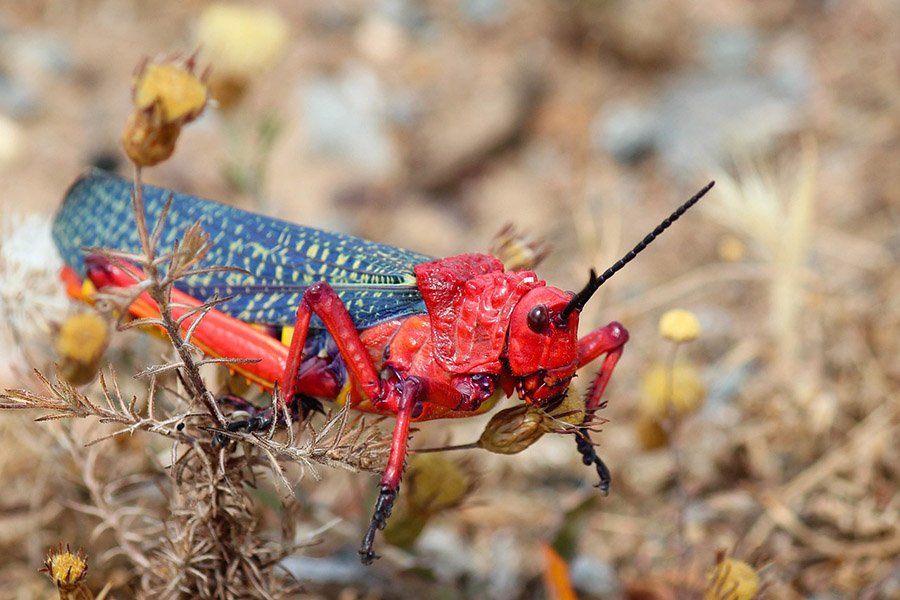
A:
(180, 93)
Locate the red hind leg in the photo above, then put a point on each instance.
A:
(218, 334)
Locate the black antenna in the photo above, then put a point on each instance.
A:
(580, 299)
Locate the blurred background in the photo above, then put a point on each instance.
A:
(772, 437)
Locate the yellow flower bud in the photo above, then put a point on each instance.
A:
(679, 326)
(732, 249)
(81, 343)
(67, 570)
(731, 579)
(682, 388)
(239, 41)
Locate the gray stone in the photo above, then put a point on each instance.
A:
(705, 118)
(597, 578)
(411, 15)
(343, 116)
(484, 12)
(16, 99)
(730, 50)
(342, 569)
(626, 131)
(734, 106)
(40, 52)
(791, 72)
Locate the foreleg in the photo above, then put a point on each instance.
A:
(609, 340)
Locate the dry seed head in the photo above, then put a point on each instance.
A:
(147, 142)
(81, 343)
(731, 579)
(513, 430)
(166, 96)
(67, 570)
(517, 250)
(680, 388)
(679, 326)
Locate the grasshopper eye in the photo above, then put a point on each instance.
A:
(539, 318)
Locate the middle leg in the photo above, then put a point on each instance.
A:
(389, 487)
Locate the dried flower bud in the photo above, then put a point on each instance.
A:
(239, 41)
(679, 325)
(434, 483)
(518, 251)
(67, 570)
(512, 430)
(731, 579)
(650, 433)
(681, 388)
(81, 343)
(166, 96)
(571, 409)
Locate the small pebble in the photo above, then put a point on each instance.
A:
(626, 131)
(16, 98)
(595, 577)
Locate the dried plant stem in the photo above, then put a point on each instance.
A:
(161, 294)
(866, 434)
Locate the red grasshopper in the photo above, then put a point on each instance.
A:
(385, 330)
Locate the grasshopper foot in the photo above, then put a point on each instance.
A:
(383, 508)
(261, 419)
(254, 423)
(589, 457)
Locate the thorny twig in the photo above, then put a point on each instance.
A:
(187, 253)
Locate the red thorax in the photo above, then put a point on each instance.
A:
(485, 320)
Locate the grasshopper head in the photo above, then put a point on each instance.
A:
(542, 346)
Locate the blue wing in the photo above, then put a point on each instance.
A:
(376, 282)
